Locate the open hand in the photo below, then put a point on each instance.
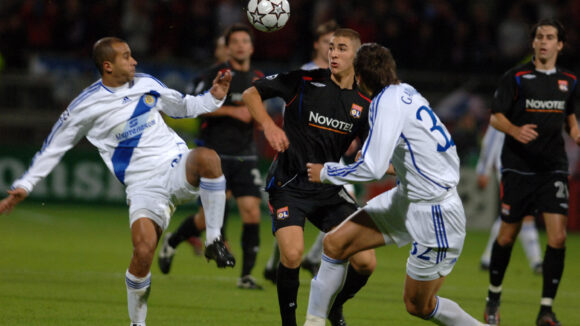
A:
(221, 84)
(525, 133)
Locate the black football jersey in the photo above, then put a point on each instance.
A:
(320, 121)
(528, 96)
(226, 135)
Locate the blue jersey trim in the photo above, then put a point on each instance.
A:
(415, 164)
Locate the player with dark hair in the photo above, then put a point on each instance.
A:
(325, 111)
(120, 115)
(230, 132)
(311, 260)
(424, 208)
(531, 104)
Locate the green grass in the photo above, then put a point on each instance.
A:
(64, 265)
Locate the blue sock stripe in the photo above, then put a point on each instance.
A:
(332, 260)
(213, 186)
(432, 314)
(137, 285)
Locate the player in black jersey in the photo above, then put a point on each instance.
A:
(229, 131)
(532, 103)
(325, 111)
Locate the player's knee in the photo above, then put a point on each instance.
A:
(144, 252)
(557, 240)
(333, 247)
(365, 262)
(207, 162)
(506, 239)
(291, 257)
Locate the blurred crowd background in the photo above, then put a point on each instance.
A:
(452, 51)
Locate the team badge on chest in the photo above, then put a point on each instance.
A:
(563, 85)
(355, 111)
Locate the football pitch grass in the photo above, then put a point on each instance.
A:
(64, 265)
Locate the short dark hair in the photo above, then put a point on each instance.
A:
(549, 22)
(238, 27)
(325, 28)
(103, 51)
(376, 67)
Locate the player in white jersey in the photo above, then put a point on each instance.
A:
(424, 208)
(120, 115)
(490, 159)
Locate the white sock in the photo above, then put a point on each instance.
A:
(315, 253)
(449, 313)
(325, 285)
(138, 289)
(529, 238)
(486, 257)
(213, 198)
(274, 256)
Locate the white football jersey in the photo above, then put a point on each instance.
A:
(125, 125)
(404, 130)
(490, 153)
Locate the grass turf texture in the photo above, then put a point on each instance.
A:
(64, 265)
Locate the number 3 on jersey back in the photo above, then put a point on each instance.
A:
(436, 128)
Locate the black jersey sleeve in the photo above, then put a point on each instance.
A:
(284, 85)
(504, 95)
(571, 104)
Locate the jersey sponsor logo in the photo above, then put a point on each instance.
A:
(282, 213)
(563, 85)
(323, 122)
(545, 106)
(505, 209)
(356, 110)
(317, 84)
(135, 127)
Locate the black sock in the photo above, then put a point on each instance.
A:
(500, 258)
(552, 270)
(352, 284)
(185, 230)
(226, 214)
(287, 283)
(250, 245)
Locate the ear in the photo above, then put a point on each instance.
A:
(560, 46)
(107, 67)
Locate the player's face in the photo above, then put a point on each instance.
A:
(321, 46)
(240, 46)
(341, 52)
(123, 68)
(546, 45)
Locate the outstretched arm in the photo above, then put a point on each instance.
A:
(221, 84)
(572, 127)
(15, 196)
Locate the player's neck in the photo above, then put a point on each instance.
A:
(240, 65)
(545, 64)
(321, 63)
(343, 81)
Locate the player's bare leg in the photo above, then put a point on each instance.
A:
(203, 170)
(145, 235)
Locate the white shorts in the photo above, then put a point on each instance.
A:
(437, 230)
(156, 197)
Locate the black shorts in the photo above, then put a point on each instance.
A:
(325, 209)
(242, 176)
(523, 195)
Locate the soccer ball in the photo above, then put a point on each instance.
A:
(268, 15)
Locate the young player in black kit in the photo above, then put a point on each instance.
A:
(532, 103)
(325, 111)
(230, 132)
